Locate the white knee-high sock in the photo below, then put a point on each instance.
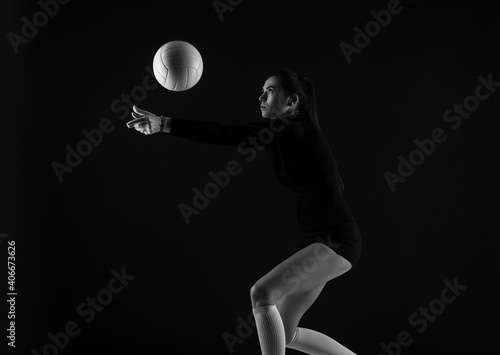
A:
(315, 343)
(270, 330)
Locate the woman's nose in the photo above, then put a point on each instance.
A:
(262, 97)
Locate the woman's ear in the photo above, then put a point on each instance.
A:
(293, 100)
(293, 105)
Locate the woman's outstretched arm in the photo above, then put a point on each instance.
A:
(209, 131)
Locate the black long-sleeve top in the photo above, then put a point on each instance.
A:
(302, 159)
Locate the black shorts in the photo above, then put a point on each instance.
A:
(345, 240)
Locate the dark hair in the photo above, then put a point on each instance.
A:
(295, 83)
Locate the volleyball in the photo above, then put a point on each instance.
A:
(177, 65)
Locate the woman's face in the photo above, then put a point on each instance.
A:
(273, 102)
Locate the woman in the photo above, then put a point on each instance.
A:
(303, 161)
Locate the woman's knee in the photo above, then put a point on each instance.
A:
(263, 295)
(259, 295)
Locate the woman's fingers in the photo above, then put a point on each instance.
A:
(137, 115)
(137, 121)
(139, 111)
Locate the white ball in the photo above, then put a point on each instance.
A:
(178, 65)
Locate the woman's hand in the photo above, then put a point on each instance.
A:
(145, 121)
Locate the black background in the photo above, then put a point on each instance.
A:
(119, 207)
